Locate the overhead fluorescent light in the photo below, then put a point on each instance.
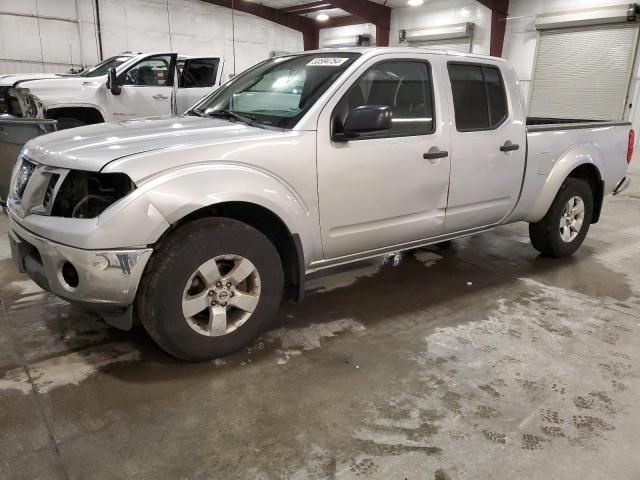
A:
(415, 3)
(441, 32)
(322, 17)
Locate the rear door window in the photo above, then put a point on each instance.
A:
(479, 97)
(199, 73)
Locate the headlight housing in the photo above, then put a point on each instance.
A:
(88, 194)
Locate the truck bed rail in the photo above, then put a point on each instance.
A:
(541, 124)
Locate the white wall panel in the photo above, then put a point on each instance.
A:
(292, 40)
(89, 42)
(56, 8)
(60, 42)
(14, 44)
(30, 67)
(21, 6)
(188, 26)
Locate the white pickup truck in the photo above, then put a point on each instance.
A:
(143, 85)
(202, 223)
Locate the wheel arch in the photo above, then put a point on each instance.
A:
(589, 173)
(583, 161)
(288, 244)
(88, 114)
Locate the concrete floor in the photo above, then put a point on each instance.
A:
(477, 361)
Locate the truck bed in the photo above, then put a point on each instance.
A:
(551, 140)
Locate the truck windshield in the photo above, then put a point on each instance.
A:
(277, 92)
(101, 68)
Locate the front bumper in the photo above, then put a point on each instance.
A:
(103, 278)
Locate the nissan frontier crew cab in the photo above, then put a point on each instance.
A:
(129, 85)
(201, 224)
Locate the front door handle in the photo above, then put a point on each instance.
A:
(509, 147)
(160, 97)
(435, 155)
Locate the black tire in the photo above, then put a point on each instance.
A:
(545, 234)
(159, 302)
(67, 122)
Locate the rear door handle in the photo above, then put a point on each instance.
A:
(160, 97)
(509, 147)
(435, 155)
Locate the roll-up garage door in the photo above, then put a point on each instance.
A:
(454, 44)
(583, 73)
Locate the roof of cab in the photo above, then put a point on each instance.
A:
(180, 55)
(371, 51)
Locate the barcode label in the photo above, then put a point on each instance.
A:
(327, 62)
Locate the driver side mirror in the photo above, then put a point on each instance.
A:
(367, 119)
(112, 82)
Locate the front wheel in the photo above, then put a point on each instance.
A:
(563, 229)
(213, 286)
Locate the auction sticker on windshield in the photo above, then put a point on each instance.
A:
(327, 62)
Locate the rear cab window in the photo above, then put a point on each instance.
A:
(479, 96)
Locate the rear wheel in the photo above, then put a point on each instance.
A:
(565, 226)
(213, 286)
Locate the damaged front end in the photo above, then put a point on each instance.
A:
(87, 194)
(103, 280)
(58, 192)
(21, 103)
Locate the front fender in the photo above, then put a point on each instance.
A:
(178, 192)
(574, 157)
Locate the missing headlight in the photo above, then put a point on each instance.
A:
(88, 194)
(4, 107)
(14, 107)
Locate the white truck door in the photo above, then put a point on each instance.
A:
(198, 78)
(146, 89)
(488, 144)
(390, 187)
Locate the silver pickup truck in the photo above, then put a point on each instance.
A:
(201, 224)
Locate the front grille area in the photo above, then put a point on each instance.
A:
(48, 194)
(59, 192)
(24, 175)
(34, 187)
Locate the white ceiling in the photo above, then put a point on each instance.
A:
(332, 12)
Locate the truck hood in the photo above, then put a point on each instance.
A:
(14, 78)
(53, 90)
(91, 148)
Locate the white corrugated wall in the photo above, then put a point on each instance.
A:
(52, 36)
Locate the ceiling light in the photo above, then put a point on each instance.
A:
(415, 3)
(323, 17)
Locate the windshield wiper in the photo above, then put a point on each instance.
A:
(197, 112)
(229, 115)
